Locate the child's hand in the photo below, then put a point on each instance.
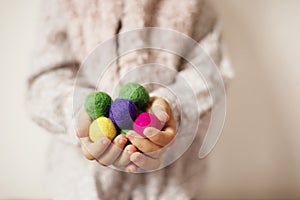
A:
(153, 146)
(108, 152)
(105, 151)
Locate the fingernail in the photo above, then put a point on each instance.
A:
(135, 157)
(121, 141)
(163, 116)
(129, 135)
(129, 151)
(104, 141)
(149, 132)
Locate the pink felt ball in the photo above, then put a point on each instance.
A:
(145, 120)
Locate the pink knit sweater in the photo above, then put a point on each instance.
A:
(68, 31)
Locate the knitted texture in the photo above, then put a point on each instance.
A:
(123, 112)
(67, 31)
(136, 93)
(102, 127)
(97, 104)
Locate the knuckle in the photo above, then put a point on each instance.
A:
(151, 149)
(86, 153)
(129, 149)
(172, 134)
(88, 156)
(119, 164)
(154, 154)
(123, 163)
(103, 163)
(143, 161)
(141, 146)
(157, 138)
(168, 109)
(162, 101)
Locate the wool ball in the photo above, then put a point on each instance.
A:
(97, 104)
(136, 93)
(123, 112)
(124, 132)
(102, 127)
(145, 120)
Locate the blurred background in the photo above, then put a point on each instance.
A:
(258, 155)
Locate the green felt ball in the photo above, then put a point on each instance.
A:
(123, 132)
(97, 104)
(136, 93)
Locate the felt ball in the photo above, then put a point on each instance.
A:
(97, 104)
(124, 132)
(123, 112)
(136, 93)
(145, 120)
(102, 127)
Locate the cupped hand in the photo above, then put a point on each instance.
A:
(104, 151)
(152, 147)
(144, 153)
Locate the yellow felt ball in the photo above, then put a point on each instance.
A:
(102, 127)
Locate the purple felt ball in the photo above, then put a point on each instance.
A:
(123, 112)
(145, 120)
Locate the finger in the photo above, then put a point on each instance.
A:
(132, 168)
(111, 154)
(86, 153)
(156, 154)
(83, 123)
(96, 148)
(144, 161)
(161, 109)
(159, 106)
(143, 144)
(124, 158)
(158, 137)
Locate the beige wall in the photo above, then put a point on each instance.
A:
(258, 154)
(22, 143)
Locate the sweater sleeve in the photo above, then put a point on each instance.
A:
(195, 93)
(52, 73)
(212, 46)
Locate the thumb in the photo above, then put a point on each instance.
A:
(161, 109)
